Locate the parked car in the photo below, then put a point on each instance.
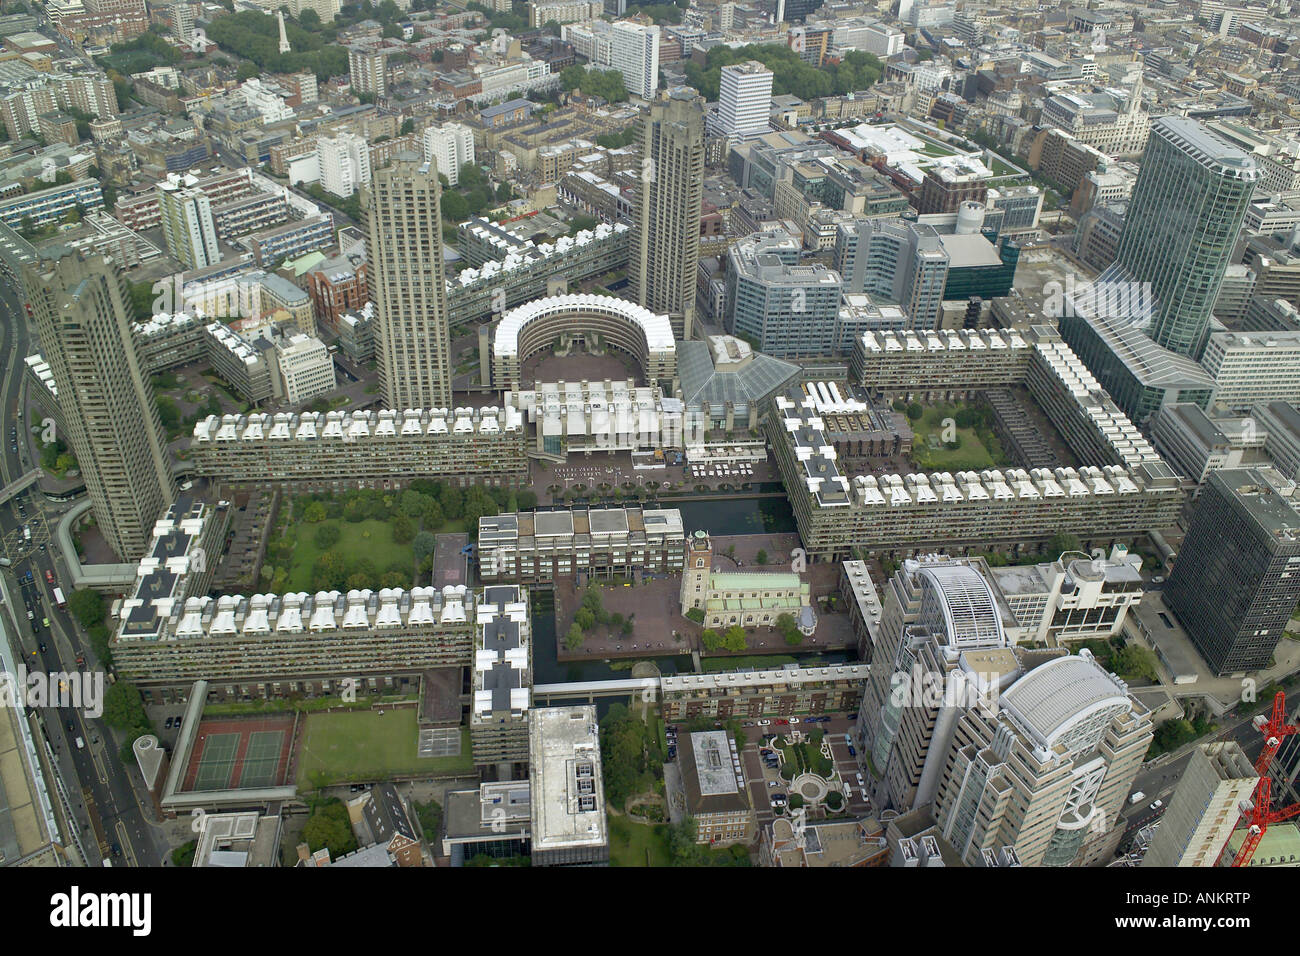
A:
(764, 723)
(852, 751)
(794, 720)
(1157, 805)
(774, 783)
(49, 576)
(782, 723)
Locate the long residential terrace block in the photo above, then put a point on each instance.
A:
(466, 445)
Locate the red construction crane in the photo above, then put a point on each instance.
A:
(1257, 814)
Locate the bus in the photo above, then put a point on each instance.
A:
(59, 602)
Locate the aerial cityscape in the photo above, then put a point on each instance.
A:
(712, 433)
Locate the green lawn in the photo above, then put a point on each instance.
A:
(362, 539)
(288, 705)
(362, 745)
(972, 455)
(930, 147)
(630, 842)
(760, 662)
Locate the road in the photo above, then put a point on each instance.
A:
(93, 769)
(1158, 780)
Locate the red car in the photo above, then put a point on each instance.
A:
(49, 576)
(783, 723)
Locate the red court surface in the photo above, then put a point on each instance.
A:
(230, 753)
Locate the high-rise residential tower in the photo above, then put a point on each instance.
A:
(188, 226)
(666, 208)
(344, 162)
(1182, 223)
(744, 101)
(412, 337)
(1204, 808)
(1237, 579)
(81, 309)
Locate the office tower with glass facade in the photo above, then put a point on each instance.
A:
(1182, 223)
(412, 335)
(1237, 579)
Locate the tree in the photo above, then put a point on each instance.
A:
(789, 629)
(761, 557)
(585, 618)
(330, 572)
(403, 529)
(914, 411)
(309, 19)
(328, 828)
(429, 816)
(314, 513)
(169, 413)
(247, 71)
(87, 607)
(734, 639)
(1062, 542)
(183, 855)
(408, 127)
(124, 709)
(326, 536)
(710, 639)
(574, 638)
(695, 614)
(424, 545)
(1136, 661)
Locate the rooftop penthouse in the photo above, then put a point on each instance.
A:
(940, 363)
(170, 631)
(543, 545)
(836, 510)
(519, 269)
(502, 688)
(388, 445)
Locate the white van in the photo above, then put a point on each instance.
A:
(1137, 798)
(81, 744)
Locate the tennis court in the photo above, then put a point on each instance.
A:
(216, 762)
(262, 759)
(245, 753)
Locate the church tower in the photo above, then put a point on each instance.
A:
(696, 571)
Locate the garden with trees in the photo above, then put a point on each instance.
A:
(591, 614)
(374, 539)
(791, 75)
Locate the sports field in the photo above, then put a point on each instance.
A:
(247, 753)
(364, 745)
